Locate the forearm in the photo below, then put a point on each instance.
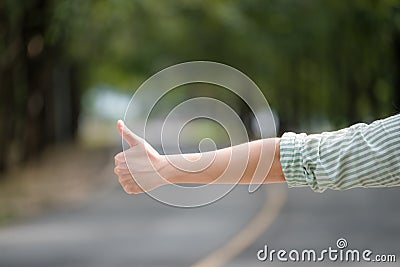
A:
(265, 151)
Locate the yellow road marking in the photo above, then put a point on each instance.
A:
(275, 198)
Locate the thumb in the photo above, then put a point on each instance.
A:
(127, 134)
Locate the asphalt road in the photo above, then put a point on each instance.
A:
(118, 230)
(365, 218)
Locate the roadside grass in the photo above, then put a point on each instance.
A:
(62, 175)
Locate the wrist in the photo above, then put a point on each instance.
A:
(168, 171)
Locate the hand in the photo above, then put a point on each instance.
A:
(138, 168)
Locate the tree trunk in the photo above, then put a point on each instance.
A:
(39, 99)
(396, 86)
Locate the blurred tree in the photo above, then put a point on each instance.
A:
(314, 60)
(311, 58)
(38, 90)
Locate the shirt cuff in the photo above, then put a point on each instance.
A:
(291, 159)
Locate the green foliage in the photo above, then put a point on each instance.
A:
(328, 57)
(335, 58)
(317, 61)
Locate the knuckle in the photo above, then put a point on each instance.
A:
(125, 186)
(119, 156)
(134, 189)
(130, 189)
(127, 190)
(126, 178)
(122, 181)
(121, 169)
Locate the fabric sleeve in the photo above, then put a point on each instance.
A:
(359, 156)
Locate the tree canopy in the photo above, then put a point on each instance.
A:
(312, 59)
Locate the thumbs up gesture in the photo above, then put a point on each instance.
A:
(138, 168)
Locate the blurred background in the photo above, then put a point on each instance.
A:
(69, 68)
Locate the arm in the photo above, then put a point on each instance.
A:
(221, 163)
(359, 156)
(148, 168)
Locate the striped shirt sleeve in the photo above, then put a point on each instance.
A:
(359, 156)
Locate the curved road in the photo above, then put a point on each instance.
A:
(115, 229)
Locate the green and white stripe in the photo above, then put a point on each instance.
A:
(359, 156)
